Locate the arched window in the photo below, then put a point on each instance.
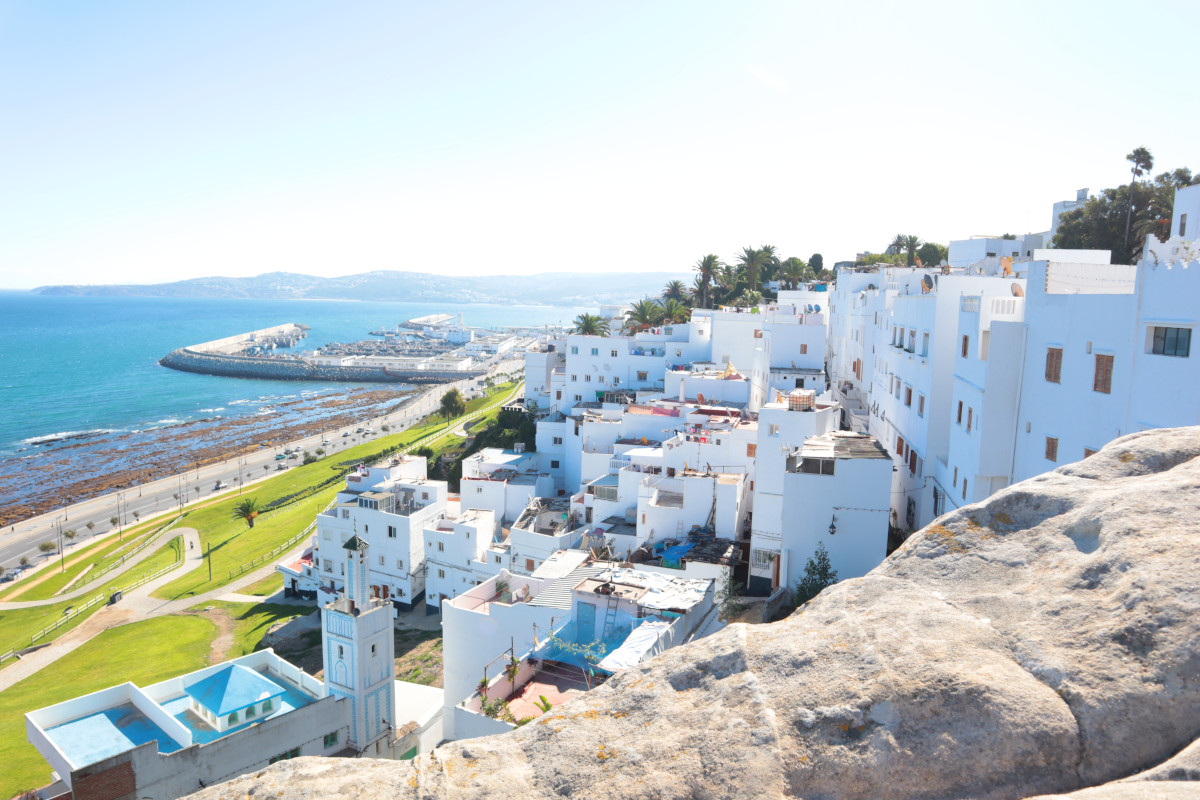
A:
(266, 706)
(232, 718)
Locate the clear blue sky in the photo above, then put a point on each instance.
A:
(151, 141)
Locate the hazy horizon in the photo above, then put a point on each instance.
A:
(151, 143)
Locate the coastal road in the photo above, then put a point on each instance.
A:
(178, 491)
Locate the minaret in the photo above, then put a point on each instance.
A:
(358, 652)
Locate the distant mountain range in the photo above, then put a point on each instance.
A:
(551, 288)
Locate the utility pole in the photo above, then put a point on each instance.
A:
(208, 555)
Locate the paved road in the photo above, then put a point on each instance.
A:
(159, 497)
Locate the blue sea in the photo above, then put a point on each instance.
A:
(86, 409)
(72, 365)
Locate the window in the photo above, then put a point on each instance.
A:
(232, 719)
(391, 531)
(478, 490)
(441, 573)
(578, 398)
(1182, 224)
(614, 354)
(1051, 448)
(574, 377)
(399, 563)
(803, 349)
(529, 564)
(641, 376)
(966, 345)
(587, 378)
(250, 712)
(772, 430)
(267, 706)
(1172, 342)
(751, 450)
(925, 344)
(908, 395)
(345, 513)
(1054, 364)
(959, 420)
(1102, 382)
(764, 557)
(897, 390)
(920, 405)
(381, 561)
(424, 495)
(328, 564)
(939, 503)
(293, 753)
(912, 341)
(595, 351)
(970, 415)
(912, 462)
(900, 446)
(553, 465)
(331, 739)
(558, 440)
(341, 652)
(574, 351)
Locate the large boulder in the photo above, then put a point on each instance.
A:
(1040, 642)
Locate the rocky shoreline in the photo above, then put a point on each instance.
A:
(84, 467)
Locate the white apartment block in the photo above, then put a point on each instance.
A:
(388, 507)
(503, 481)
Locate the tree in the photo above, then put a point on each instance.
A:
(708, 269)
(729, 597)
(645, 313)
(247, 509)
(114, 521)
(770, 264)
(817, 575)
(1140, 162)
(452, 404)
(816, 263)
(136, 516)
(752, 262)
(320, 451)
(69, 533)
(309, 458)
(47, 547)
(674, 290)
(931, 254)
(590, 325)
(1099, 224)
(909, 244)
(674, 311)
(794, 271)
(91, 526)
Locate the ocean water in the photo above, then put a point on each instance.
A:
(78, 365)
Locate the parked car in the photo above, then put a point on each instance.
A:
(220, 485)
(280, 467)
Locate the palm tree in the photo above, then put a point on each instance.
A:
(1155, 218)
(1142, 162)
(751, 262)
(247, 510)
(794, 271)
(907, 243)
(645, 313)
(590, 325)
(674, 311)
(709, 269)
(674, 290)
(771, 263)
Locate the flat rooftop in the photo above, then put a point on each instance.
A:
(843, 444)
(103, 734)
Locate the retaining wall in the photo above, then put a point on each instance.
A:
(295, 369)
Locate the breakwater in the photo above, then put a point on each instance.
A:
(297, 369)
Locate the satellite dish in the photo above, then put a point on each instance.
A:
(1017, 290)
(927, 283)
(817, 309)
(700, 398)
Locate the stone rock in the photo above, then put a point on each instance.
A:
(1042, 641)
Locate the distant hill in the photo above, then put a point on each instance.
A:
(551, 288)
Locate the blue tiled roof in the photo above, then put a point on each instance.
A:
(233, 688)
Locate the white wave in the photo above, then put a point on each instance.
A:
(49, 437)
(238, 402)
(212, 410)
(168, 421)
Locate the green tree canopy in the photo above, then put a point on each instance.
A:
(247, 509)
(675, 290)
(645, 313)
(932, 253)
(452, 404)
(818, 573)
(708, 271)
(590, 325)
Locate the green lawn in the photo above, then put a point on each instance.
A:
(266, 587)
(98, 553)
(233, 544)
(251, 621)
(18, 625)
(143, 652)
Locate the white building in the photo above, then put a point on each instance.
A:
(388, 507)
(455, 555)
(607, 619)
(504, 481)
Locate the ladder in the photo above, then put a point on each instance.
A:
(610, 615)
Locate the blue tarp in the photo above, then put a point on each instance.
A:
(672, 555)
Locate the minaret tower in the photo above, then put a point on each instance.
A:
(359, 653)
